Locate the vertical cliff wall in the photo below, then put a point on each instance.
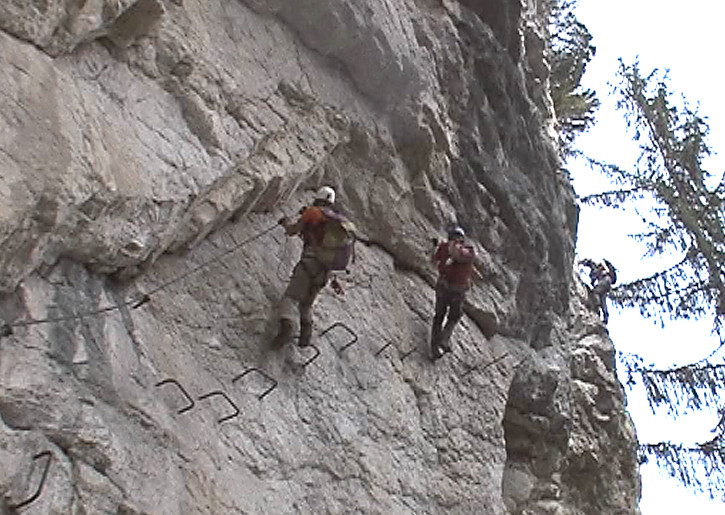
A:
(148, 147)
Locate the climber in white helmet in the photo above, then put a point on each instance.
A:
(326, 248)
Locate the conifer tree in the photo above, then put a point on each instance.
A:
(571, 51)
(685, 218)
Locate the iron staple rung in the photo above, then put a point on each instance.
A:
(314, 356)
(262, 373)
(347, 328)
(224, 395)
(42, 480)
(173, 381)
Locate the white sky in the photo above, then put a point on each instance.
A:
(688, 38)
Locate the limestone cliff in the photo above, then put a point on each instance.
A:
(147, 149)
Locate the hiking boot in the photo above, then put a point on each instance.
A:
(305, 335)
(436, 352)
(444, 341)
(284, 334)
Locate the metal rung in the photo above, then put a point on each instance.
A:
(42, 480)
(485, 366)
(347, 328)
(383, 348)
(181, 388)
(141, 301)
(222, 394)
(408, 353)
(314, 356)
(262, 373)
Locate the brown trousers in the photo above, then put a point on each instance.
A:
(308, 278)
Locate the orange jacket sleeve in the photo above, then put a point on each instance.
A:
(311, 216)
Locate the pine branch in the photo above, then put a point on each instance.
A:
(656, 287)
(690, 464)
(681, 389)
(613, 198)
(619, 176)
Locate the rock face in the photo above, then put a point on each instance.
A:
(148, 147)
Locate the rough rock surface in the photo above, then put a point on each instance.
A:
(149, 146)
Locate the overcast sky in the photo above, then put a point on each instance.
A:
(687, 38)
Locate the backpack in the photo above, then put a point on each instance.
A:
(612, 271)
(338, 241)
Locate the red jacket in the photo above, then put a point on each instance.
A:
(455, 263)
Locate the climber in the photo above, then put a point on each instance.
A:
(602, 276)
(327, 246)
(454, 259)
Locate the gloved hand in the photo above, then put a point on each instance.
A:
(337, 287)
(282, 221)
(434, 241)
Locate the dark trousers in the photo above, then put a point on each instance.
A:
(449, 306)
(599, 297)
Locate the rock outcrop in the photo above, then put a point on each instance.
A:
(147, 149)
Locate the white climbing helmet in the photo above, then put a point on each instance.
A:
(456, 233)
(327, 194)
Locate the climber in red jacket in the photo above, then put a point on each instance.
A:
(454, 259)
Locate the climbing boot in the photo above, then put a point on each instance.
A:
(436, 352)
(305, 334)
(435, 346)
(444, 341)
(284, 334)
